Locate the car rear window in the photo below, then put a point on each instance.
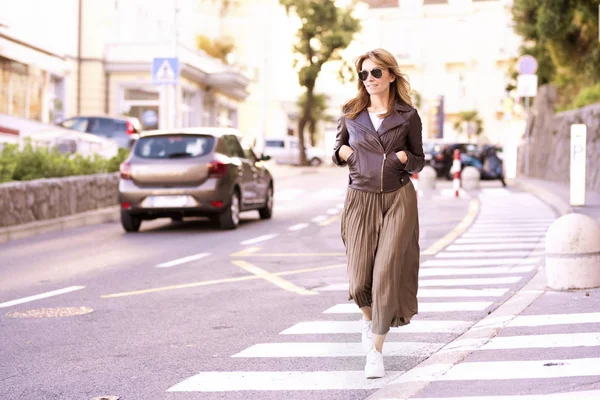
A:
(174, 146)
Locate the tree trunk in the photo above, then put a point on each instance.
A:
(312, 130)
(306, 117)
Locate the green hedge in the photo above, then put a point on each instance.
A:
(36, 163)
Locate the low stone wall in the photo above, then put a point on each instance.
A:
(550, 143)
(23, 202)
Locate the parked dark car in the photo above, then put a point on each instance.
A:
(442, 161)
(123, 130)
(193, 172)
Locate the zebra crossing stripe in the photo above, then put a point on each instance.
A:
(215, 381)
(587, 395)
(533, 240)
(281, 350)
(469, 281)
(429, 293)
(426, 272)
(543, 341)
(479, 262)
(501, 235)
(486, 254)
(415, 326)
(352, 308)
(491, 246)
(555, 319)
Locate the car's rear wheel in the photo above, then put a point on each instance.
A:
(267, 211)
(131, 223)
(230, 218)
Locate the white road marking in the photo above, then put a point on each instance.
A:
(479, 262)
(522, 243)
(540, 369)
(512, 229)
(543, 341)
(507, 225)
(333, 211)
(259, 239)
(297, 227)
(587, 395)
(41, 296)
(351, 308)
(415, 326)
(341, 205)
(183, 260)
(513, 221)
(490, 254)
(501, 235)
(320, 218)
(469, 281)
(555, 319)
(214, 381)
(428, 293)
(425, 272)
(342, 349)
(495, 191)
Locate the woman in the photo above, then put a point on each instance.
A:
(379, 137)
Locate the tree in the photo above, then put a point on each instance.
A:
(563, 36)
(218, 48)
(318, 112)
(326, 29)
(471, 121)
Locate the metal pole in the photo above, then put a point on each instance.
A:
(527, 136)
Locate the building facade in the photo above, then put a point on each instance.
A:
(461, 51)
(96, 58)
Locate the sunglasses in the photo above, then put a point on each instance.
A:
(375, 72)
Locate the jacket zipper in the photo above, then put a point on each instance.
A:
(382, 165)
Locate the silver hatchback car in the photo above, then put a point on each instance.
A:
(193, 172)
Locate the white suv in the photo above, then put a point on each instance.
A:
(285, 150)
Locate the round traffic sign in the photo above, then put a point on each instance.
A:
(527, 65)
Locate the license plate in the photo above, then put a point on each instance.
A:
(169, 201)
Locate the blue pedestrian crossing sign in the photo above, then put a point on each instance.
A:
(165, 71)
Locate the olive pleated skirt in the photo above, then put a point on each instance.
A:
(381, 235)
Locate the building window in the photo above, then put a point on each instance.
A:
(21, 90)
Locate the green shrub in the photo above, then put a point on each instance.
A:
(587, 96)
(36, 163)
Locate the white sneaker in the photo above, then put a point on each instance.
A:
(374, 366)
(366, 334)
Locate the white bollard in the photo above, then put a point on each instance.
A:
(470, 177)
(427, 178)
(573, 253)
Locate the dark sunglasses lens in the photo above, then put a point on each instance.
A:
(377, 73)
(363, 75)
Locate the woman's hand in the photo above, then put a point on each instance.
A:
(345, 152)
(402, 156)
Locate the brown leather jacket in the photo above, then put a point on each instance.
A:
(374, 166)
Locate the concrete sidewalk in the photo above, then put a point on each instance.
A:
(557, 195)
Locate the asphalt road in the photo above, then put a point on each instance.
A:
(186, 311)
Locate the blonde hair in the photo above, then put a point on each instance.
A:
(399, 88)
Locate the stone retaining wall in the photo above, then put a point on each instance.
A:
(550, 157)
(23, 202)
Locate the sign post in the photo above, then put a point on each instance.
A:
(527, 87)
(165, 71)
(578, 158)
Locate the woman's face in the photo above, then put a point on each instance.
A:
(375, 85)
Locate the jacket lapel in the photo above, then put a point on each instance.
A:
(365, 122)
(390, 122)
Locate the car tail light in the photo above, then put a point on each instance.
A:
(440, 157)
(125, 170)
(125, 206)
(217, 169)
(130, 128)
(217, 204)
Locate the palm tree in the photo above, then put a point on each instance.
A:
(469, 121)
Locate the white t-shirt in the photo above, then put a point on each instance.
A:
(376, 120)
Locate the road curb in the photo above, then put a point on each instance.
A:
(416, 379)
(554, 201)
(22, 231)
